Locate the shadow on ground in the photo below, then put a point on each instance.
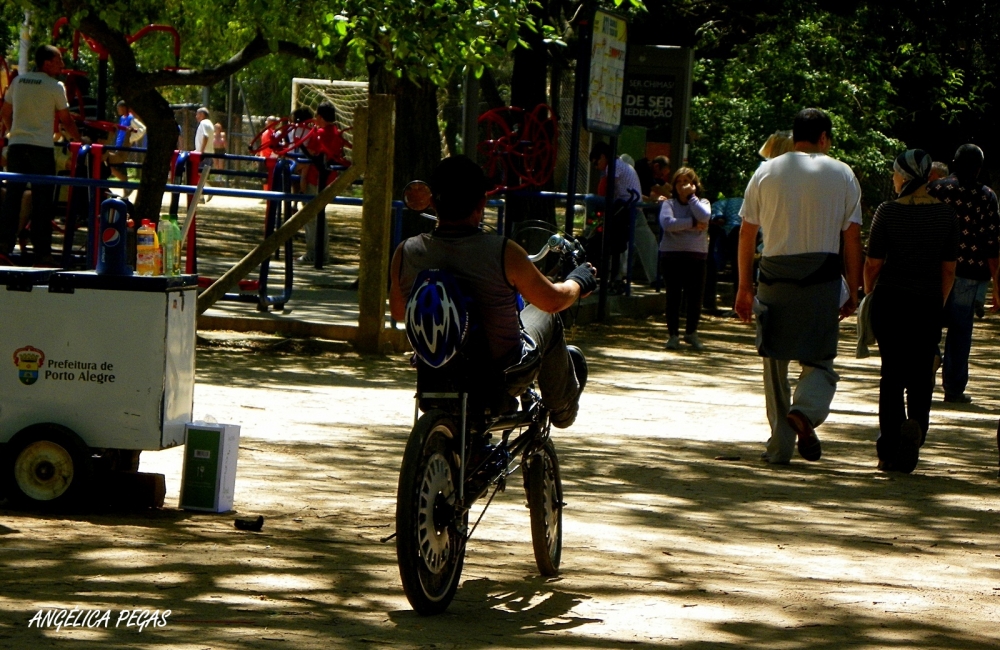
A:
(666, 544)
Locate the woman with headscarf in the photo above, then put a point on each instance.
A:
(910, 268)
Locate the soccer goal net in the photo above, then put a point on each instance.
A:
(344, 95)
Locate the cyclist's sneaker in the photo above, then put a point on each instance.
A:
(567, 416)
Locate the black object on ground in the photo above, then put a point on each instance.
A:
(254, 525)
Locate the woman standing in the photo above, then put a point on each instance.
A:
(910, 268)
(683, 252)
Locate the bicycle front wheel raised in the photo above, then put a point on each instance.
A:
(544, 490)
(430, 544)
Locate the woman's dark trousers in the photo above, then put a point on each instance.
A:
(684, 275)
(907, 327)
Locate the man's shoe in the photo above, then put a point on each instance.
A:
(961, 398)
(693, 340)
(887, 466)
(809, 445)
(766, 457)
(910, 436)
(673, 343)
(566, 417)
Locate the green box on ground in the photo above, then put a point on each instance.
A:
(209, 477)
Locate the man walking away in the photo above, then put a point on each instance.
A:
(33, 100)
(978, 261)
(204, 139)
(805, 202)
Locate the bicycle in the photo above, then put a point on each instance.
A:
(436, 493)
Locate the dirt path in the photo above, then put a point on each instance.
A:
(665, 546)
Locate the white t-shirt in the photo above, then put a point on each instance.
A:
(206, 131)
(802, 202)
(35, 97)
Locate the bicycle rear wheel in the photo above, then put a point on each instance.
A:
(430, 540)
(544, 489)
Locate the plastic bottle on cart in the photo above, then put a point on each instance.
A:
(170, 243)
(165, 246)
(130, 257)
(157, 253)
(175, 245)
(145, 248)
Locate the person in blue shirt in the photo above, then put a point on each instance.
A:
(723, 241)
(130, 131)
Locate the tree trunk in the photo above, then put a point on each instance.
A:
(418, 144)
(528, 90)
(161, 134)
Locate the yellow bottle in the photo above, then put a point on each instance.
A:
(146, 248)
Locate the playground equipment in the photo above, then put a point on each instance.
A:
(74, 89)
(5, 77)
(519, 146)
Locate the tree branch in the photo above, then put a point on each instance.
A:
(254, 50)
(124, 58)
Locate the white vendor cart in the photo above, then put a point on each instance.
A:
(98, 368)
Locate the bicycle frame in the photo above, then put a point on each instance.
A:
(524, 419)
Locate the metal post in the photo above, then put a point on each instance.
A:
(102, 90)
(230, 148)
(24, 53)
(609, 207)
(579, 100)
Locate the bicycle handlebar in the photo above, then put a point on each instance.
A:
(556, 242)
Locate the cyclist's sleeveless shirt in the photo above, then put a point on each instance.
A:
(477, 261)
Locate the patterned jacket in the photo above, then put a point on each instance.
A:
(978, 225)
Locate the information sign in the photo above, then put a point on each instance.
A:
(607, 73)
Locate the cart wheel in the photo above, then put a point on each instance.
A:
(48, 466)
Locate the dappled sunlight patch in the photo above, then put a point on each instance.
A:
(30, 564)
(273, 582)
(122, 557)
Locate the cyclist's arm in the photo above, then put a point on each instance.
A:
(397, 301)
(535, 287)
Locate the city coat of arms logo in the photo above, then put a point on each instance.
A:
(28, 360)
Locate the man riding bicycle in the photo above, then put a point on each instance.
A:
(494, 270)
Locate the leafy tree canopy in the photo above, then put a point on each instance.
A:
(891, 79)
